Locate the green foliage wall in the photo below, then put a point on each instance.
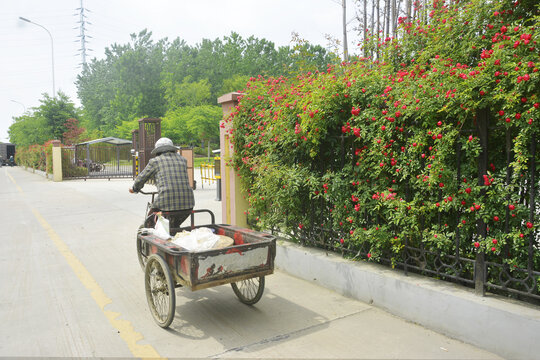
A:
(372, 146)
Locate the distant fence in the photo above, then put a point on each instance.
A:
(207, 174)
(98, 161)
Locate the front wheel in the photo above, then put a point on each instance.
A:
(159, 290)
(140, 255)
(249, 291)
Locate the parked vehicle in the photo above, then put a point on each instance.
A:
(7, 151)
(91, 165)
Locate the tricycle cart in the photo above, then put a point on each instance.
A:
(168, 266)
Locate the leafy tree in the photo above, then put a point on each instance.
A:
(126, 84)
(234, 84)
(73, 134)
(123, 131)
(96, 88)
(23, 130)
(204, 123)
(187, 93)
(139, 69)
(56, 111)
(191, 124)
(46, 122)
(147, 78)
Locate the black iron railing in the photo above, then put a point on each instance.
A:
(99, 161)
(513, 272)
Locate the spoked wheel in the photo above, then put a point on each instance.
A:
(159, 290)
(149, 222)
(143, 259)
(249, 291)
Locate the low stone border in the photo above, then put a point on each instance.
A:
(35, 171)
(498, 325)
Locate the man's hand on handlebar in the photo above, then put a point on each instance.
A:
(131, 190)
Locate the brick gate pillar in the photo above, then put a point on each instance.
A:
(233, 201)
(57, 160)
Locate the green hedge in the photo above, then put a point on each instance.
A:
(375, 143)
(37, 157)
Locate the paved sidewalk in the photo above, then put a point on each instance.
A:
(95, 219)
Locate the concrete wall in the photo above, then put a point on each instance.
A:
(496, 324)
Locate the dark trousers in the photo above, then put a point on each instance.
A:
(176, 217)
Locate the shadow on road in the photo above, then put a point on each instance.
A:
(217, 313)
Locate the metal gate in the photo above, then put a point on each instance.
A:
(100, 159)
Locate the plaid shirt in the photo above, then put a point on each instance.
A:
(169, 171)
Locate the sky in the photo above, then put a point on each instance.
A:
(26, 52)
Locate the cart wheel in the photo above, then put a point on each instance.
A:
(159, 290)
(142, 257)
(249, 291)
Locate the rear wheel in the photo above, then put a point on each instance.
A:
(249, 291)
(159, 290)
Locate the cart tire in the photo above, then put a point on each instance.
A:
(249, 291)
(159, 290)
(143, 259)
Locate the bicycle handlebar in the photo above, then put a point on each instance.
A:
(148, 193)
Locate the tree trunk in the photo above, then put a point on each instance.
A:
(395, 12)
(387, 18)
(345, 47)
(378, 26)
(365, 27)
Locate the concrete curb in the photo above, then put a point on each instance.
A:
(35, 171)
(496, 324)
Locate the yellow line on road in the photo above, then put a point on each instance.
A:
(13, 181)
(124, 327)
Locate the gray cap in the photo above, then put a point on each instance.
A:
(163, 145)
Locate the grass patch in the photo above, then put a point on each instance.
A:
(199, 160)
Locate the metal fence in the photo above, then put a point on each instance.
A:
(98, 161)
(481, 271)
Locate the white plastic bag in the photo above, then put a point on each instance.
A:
(161, 229)
(196, 240)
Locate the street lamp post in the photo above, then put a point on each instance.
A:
(20, 103)
(52, 49)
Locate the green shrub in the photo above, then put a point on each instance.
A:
(369, 150)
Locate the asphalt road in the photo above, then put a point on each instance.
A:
(71, 286)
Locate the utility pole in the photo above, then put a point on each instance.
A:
(345, 47)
